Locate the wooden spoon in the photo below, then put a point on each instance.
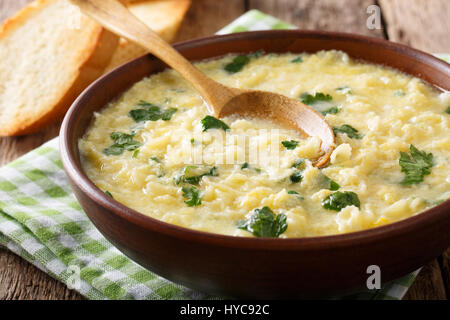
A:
(220, 100)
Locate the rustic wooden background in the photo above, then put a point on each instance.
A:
(423, 24)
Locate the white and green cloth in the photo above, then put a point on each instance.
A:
(41, 221)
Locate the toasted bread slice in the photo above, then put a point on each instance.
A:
(49, 53)
(162, 16)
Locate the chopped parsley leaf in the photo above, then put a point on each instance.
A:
(332, 110)
(156, 159)
(122, 142)
(290, 145)
(339, 200)
(263, 223)
(240, 61)
(321, 102)
(151, 112)
(296, 194)
(415, 166)
(312, 99)
(109, 194)
(299, 164)
(348, 130)
(237, 64)
(256, 54)
(344, 90)
(297, 176)
(245, 165)
(210, 122)
(329, 184)
(297, 60)
(193, 174)
(447, 110)
(193, 196)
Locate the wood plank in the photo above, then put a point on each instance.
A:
(444, 263)
(21, 280)
(331, 15)
(428, 285)
(422, 24)
(205, 17)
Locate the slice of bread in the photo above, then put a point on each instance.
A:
(49, 53)
(162, 16)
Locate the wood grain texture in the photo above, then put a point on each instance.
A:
(331, 15)
(423, 24)
(30, 282)
(428, 285)
(205, 17)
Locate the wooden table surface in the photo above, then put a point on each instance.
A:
(423, 24)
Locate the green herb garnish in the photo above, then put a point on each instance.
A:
(299, 164)
(135, 153)
(109, 194)
(156, 159)
(329, 184)
(339, 200)
(237, 64)
(193, 196)
(256, 54)
(332, 110)
(122, 142)
(348, 130)
(297, 60)
(415, 166)
(245, 165)
(312, 99)
(290, 145)
(447, 110)
(263, 223)
(151, 112)
(193, 174)
(344, 90)
(296, 194)
(321, 102)
(297, 176)
(399, 93)
(210, 122)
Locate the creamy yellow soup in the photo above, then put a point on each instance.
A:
(222, 177)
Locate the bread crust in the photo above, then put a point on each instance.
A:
(95, 58)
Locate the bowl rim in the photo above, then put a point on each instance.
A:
(394, 229)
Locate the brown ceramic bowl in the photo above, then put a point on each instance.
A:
(255, 267)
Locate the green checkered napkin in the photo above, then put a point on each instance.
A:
(41, 221)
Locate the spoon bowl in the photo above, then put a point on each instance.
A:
(290, 113)
(220, 100)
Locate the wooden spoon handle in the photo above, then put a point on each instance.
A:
(115, 17)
